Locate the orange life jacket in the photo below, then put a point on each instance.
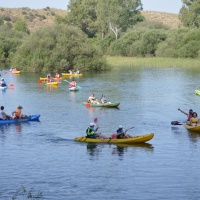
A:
(18, 113)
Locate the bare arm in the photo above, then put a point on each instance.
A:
(183, 111)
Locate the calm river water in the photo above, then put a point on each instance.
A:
(42, 159)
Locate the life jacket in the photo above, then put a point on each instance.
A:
(90, 131)
(120, 134)
(194, 120)
(18, 113)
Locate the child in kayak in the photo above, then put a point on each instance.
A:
(121, 134)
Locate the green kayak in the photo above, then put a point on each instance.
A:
(109, 104)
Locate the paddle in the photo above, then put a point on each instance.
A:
(176, 123)
(87, 104)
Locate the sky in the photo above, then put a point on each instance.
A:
(168, 6)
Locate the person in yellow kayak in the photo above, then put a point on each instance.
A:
(194, 119)
(91, 132)
(121, 134)
(17, 114)
(189, 114)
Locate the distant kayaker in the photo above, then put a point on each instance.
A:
(3, 83)
(91, 132)
(92, 99)
(72, 84)
(3, 115)
(17, 114)
(57, 75)
(189, 114)
(103, 99)
(121, 133)
(48, 77)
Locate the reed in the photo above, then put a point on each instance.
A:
(118, 61)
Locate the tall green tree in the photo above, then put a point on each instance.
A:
(190, 13)
(100, 16)
(82, 14)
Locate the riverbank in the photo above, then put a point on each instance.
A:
(119, 61)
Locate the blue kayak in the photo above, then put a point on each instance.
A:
(15, 121)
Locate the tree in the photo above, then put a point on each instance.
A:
(21, 25)
(190, 13)
(51, 50)
(82, 14)
(100, 16)
(119, 15)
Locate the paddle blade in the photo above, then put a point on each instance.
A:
(87, 104)
(176, 123)
(11, 84)
(95, 120)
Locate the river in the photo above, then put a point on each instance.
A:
(42, 160)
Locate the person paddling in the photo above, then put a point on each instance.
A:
(17, 114)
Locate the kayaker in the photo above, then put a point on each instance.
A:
(121, 133)
(17, 114)
(3, 115)
(57, 76)
(91, 132)
(194, 119)
(92, 99)
(48, 77)
(103, 99)
(77, 71)
(72, 84)
(3, 83)
(189, 114)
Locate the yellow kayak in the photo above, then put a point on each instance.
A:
(67, 74)
(15, 72)
(44, 79)
(192, 128)
(133, 140)
(51, 83)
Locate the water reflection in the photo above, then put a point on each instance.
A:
(94, 149)
(194, 136)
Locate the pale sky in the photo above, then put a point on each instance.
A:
(169, 6)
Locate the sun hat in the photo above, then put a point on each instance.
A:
(92, 124)
(120, 126)
(19, 107)
(2, 79)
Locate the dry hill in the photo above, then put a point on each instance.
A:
(45, 17)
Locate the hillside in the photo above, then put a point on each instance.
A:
(45, 17)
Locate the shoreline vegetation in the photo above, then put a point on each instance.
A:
(119, 61)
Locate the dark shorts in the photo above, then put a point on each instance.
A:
(92, 136)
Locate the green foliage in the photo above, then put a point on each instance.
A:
(189, 13)
(21, 25)
(181, 43)
(99, 16)
(9, 42)
(51, 50)
(138, 43)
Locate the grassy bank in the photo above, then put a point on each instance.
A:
(156, 62)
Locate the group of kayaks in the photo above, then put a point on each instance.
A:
(134, 140)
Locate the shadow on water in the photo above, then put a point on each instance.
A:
(94, 149)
